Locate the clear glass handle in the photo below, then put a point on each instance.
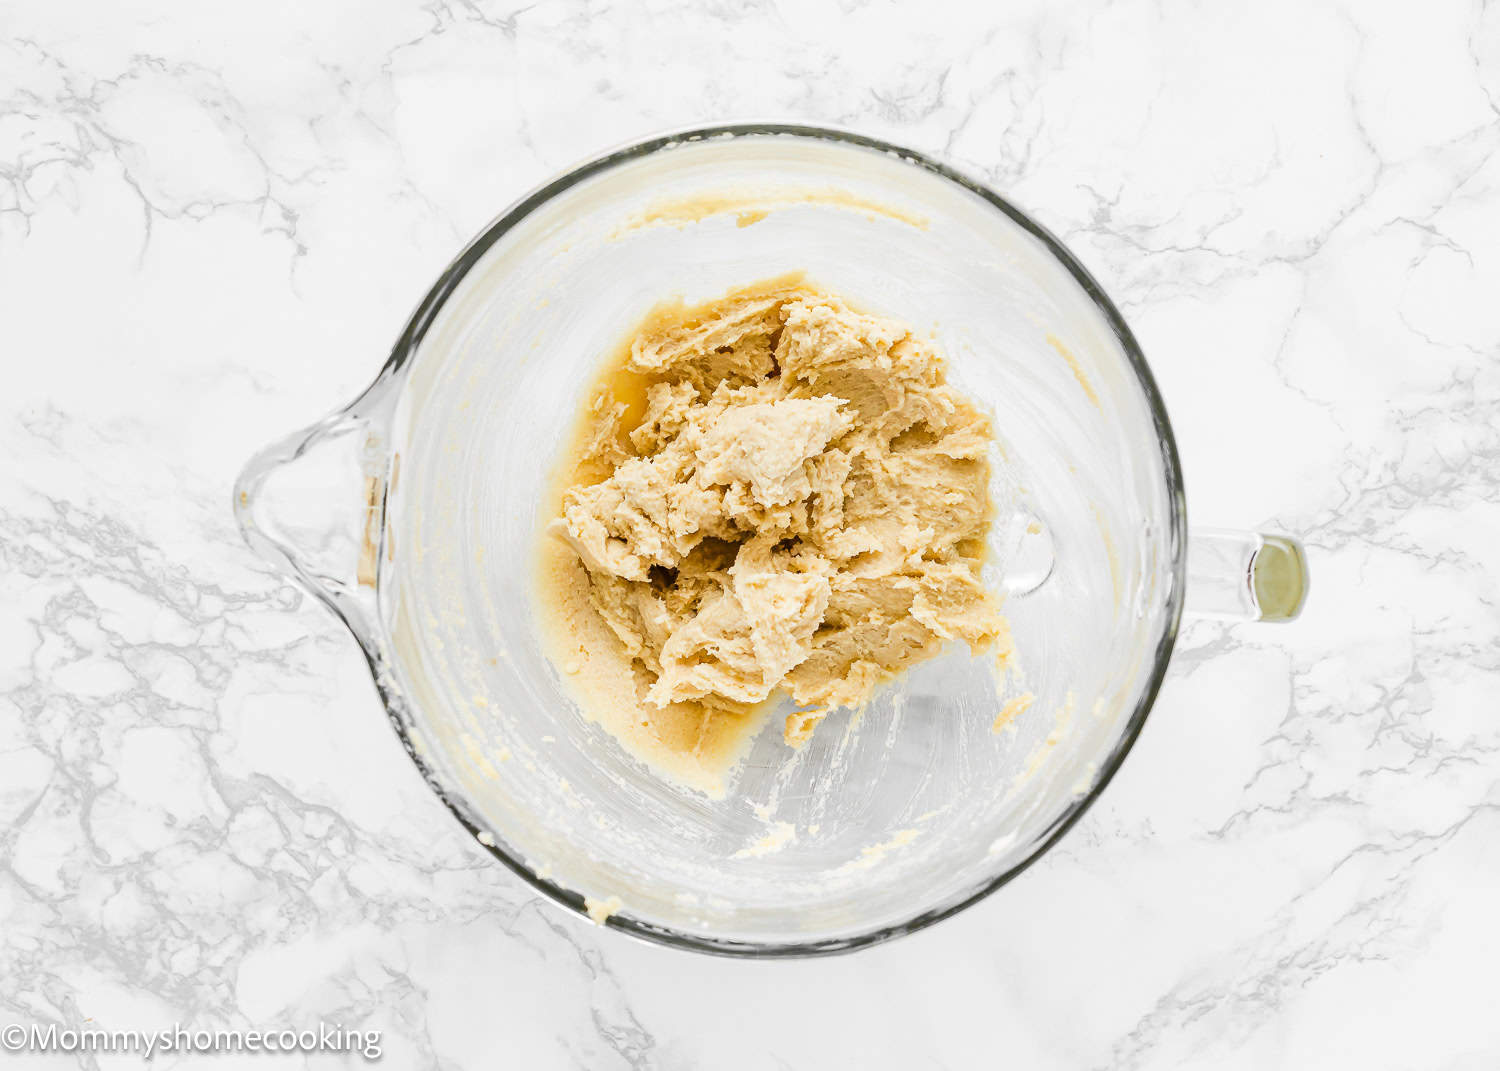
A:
(1245, 576)
(311, 504)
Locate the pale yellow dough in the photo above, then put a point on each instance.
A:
(771, 493)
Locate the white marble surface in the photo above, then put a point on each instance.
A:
(215, 217)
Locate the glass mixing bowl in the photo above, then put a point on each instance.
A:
(414, 513)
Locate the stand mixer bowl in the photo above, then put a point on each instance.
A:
(415, 511)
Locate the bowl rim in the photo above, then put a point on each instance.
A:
(447, 283)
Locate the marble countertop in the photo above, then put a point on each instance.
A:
(215, 218)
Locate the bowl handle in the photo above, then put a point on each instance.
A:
(312, 505)
(1245, 576)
